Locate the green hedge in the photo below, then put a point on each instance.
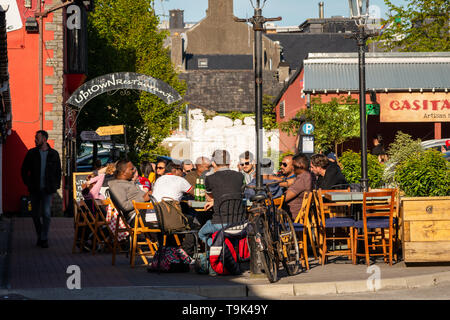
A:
(424, 174)
(351, 168)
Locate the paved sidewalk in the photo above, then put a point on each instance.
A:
(38, 273)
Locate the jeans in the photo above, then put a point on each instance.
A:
(41, 203)
(207, 230)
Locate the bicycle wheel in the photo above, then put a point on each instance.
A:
(268, 256)
(288, 243)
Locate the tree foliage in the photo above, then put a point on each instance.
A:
(123, 37)
(334, 122)
(351, 168)
(423, 25)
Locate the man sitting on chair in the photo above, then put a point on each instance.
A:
(328, 173)
(222, 181)
(125, 190)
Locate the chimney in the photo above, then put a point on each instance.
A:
(220, 8)
(321, 14)
(176, 20)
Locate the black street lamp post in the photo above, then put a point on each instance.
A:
(258, 27)
(359, 12)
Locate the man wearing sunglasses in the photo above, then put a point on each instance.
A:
(287, 172)
(188, 166)
(247, 164)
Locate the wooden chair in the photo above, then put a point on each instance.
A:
(118, 228)
(378, 214)
(334, 209)
(329, 222)
(84, 221)
(301, 225)
(140, 229)
(278, 202)
(397, 217)
(100, 224)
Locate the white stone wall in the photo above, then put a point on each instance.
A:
(223, 133)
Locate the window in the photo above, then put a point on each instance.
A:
(282, 109)
(202, 62)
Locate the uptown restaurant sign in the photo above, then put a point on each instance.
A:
(415, 107)
(119, 81)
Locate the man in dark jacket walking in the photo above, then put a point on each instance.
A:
(41, 173)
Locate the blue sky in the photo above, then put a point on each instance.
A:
(293, 12)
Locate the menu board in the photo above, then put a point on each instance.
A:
(78, 179)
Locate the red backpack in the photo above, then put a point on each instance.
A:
(222, 253)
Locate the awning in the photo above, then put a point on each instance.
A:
(385, 72)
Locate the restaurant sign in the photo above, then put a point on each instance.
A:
(119, 81)
(415, 107)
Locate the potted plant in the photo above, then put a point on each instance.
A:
(424, 178)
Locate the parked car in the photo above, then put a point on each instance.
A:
(84, 163)
(437, 144)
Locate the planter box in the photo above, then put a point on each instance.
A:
(426, 229)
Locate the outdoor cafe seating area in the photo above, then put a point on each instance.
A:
(357, 227)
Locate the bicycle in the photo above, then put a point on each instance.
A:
(274, 235)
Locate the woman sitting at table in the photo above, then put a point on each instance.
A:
(302, 184)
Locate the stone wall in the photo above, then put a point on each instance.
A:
(205, 136)
(226, 91)
(55, 81)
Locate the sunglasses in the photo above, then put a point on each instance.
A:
(284, 164)
(245, 163)
(187, 171)
(160, 168)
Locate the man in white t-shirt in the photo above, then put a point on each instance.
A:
(171, 185)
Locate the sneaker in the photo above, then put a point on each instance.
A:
(38, 243)
(44, 244)
(212, 272)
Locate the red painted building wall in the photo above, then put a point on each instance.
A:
(23, 53)
(293, 100)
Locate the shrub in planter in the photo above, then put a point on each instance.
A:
(403, 148)
(351, 168)
(424, 174)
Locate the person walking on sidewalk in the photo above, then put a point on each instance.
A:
(41, 173)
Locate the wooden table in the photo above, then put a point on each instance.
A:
(199, 205)
(352, 197)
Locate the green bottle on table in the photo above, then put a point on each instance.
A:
(197, 190)
(202, 190)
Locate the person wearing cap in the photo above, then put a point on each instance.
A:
(187, 166)
(202, 166)
(328, 173)
(267, 172)
(332, 157)
(222, 181)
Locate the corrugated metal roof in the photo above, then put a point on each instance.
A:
(394, 71)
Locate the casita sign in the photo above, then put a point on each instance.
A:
(119, 81)
(415, 107)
